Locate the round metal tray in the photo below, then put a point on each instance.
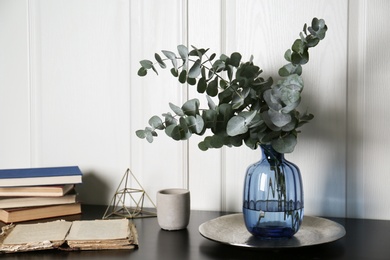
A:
(231, 230)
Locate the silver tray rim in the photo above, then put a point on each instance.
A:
(230, 229)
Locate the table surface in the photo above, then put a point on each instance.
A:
(365, 239)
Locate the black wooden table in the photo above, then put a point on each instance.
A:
(365, 239)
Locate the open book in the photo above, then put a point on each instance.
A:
(68, 235)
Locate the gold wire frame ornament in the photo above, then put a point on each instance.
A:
(118, 208)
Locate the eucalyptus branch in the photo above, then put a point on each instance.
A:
(251, 110)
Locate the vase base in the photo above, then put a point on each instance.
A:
(273, 224)
(272, 232)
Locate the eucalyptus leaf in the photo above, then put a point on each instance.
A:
(312, 41)
(269, 123)
(147, 64)
(269, 136)
(237, 100)
(195, 124)
(285, 144)
(300, 59)
(149, 137)
(178, 111)
(287, 55)
(156, 122)
(216, 141)
(284, 71)
(154, 69)
(298, 46)
(160, 61)
(290, 126)
(174, 72)
(294, 80)
(225, 112)
(140, 133)
(186, 135)
(191, 81)
(251, 143)
(315, 24)
(178, 133)
(202, 85)
(290, 107)
(169, 129)
(183, 52)
(248, 115)
(235, 59)
(290, 94)
(226, 96)
(183, 76)
(195, 69)
(172, 56)
(272, 101)
(223, 84)
(169, 119)
(229, 71)
(290, 69)
(191, 107)
(235, 140)
(223, 57)
(256, 121)
(183, 124)
(142, 72)
(197, 52)
(212, 88)
(209, 118)
(278, 118)
(149, 133)
(203, 146)
(306, 117)
(236, 126)
(218, 66)
(210, 102)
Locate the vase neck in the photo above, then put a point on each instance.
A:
(270, 154)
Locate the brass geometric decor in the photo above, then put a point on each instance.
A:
(118, 208)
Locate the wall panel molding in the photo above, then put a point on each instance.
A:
(34, 61)
(356, 107)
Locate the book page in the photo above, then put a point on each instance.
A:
(99, 229)
(35, 233)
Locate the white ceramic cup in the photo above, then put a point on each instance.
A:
(173, 208)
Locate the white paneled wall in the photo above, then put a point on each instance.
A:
(368, 111)
(155, 26)
(70, 95)
(15, 129)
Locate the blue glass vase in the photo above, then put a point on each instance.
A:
(273, 196)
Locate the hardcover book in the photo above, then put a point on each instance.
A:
(21, 202)
(40, 176)
(66, 235)
(31, 213)
(36, 191)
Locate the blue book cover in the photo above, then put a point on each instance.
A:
(40, 172)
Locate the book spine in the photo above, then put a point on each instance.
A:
(39, 172)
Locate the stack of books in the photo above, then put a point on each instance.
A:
(37, 193)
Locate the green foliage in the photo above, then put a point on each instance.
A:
(251, 109)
